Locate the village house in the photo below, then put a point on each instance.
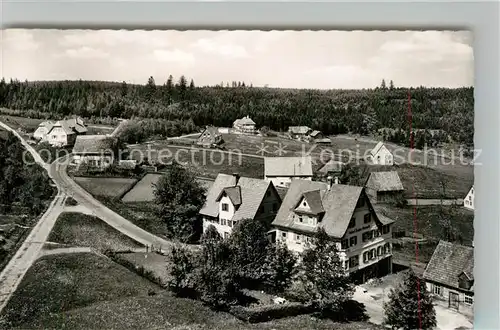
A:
(449, 275)
(380, 155)
(61, 133)
(332, 169)
(299, 132)
(346, 215)
(210, 137)
(282, 170)
(384, 187)
(244, 125)
(232, 198)
(98, 151)
(469, 199)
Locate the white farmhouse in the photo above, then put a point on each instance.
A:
(98, 151)
(232, 198)
(282, 170)
(380, 155)
(347, 216)
(469, 199)
(244, 125)
(61, 133)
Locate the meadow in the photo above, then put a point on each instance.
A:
(106, 187)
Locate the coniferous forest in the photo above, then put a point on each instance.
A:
(179, 106)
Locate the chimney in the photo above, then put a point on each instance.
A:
(236, 178)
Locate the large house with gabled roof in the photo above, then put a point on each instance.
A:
(232, 198)
(244, 125)
(449, 275)
(99, 151)
(61, 133)
(346, 215)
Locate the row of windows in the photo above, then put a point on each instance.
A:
(347, 243)
(367, 218)
(224, 222)
(374, 253)
(306, 220)
(468, 299)
(225, 207)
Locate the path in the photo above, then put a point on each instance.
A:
(27, 253)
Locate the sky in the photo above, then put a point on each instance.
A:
(287, 59)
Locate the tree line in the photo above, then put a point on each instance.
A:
(20, 183)
(330, 111)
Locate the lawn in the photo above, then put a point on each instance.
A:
(27, 124)
(143, 190)
(106, 187)
(82, 230)
(86, 291)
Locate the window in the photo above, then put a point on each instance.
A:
(470, 198)
(223, 222)
(352, 224)
(225, 207)
(297, 237)
(300, 219)
(226, 235)
(376, 233)
(230, 223)
(353, 261)
(353, 241)
(468, 299)
(283, 235)
(379, 251)
(437, 290)
(385, 229)
(367, 218)
(304, 204)
(344, 244)
(275, 207)
(367, 236)
(373, 254)
(387, 248)
(346, 265)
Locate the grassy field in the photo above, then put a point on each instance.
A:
(107, 187)
(86, 291)
(86, 231)
(143, 190)
(27, 124)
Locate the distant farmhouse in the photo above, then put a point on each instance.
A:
(384, 187)
(232, 198)
(380, 155)
(98, 151)
(244, 125)
(210, 137)
(299, 132)
(61, 133)
(282, 170)
(332, 169)
(469, 199)
(346, 215)
(449, 275)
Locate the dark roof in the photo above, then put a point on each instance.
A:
(382, 213)
(313, 199)
(234, 194)
(252, 193)
(448, 262)
(92, 144)
(338, 203)
(384, 181)
(288, 166)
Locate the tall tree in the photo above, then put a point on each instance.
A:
(410, 305)
(324, 280)
(391, 84)
(383, 84)
(151, 87)
(279, 268)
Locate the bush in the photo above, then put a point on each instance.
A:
(70, 201)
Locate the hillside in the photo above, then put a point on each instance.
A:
(331, 111)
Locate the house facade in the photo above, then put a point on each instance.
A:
(364, 239)
(384, 187)
(380, 155)
(282, 170)
(210, 137)
(244, 125)
(61, 133)
(469, 199)
(449, 276)
(299, 132)
(98, 151)
(232, 198)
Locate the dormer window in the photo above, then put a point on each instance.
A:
(304, 204)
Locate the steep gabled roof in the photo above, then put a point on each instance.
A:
(212, 131)
(384, 181)
(338, 203)
(234, 194)
(70, 126)
(288, 166)
(377, 148)
(244, 121)
(252, 192)
(313, 199)
(448, 262)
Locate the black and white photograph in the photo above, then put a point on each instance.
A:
(237, 179)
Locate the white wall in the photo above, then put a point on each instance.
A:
(57, 137)
(469, 200)
(40, 133)
(383, 157)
